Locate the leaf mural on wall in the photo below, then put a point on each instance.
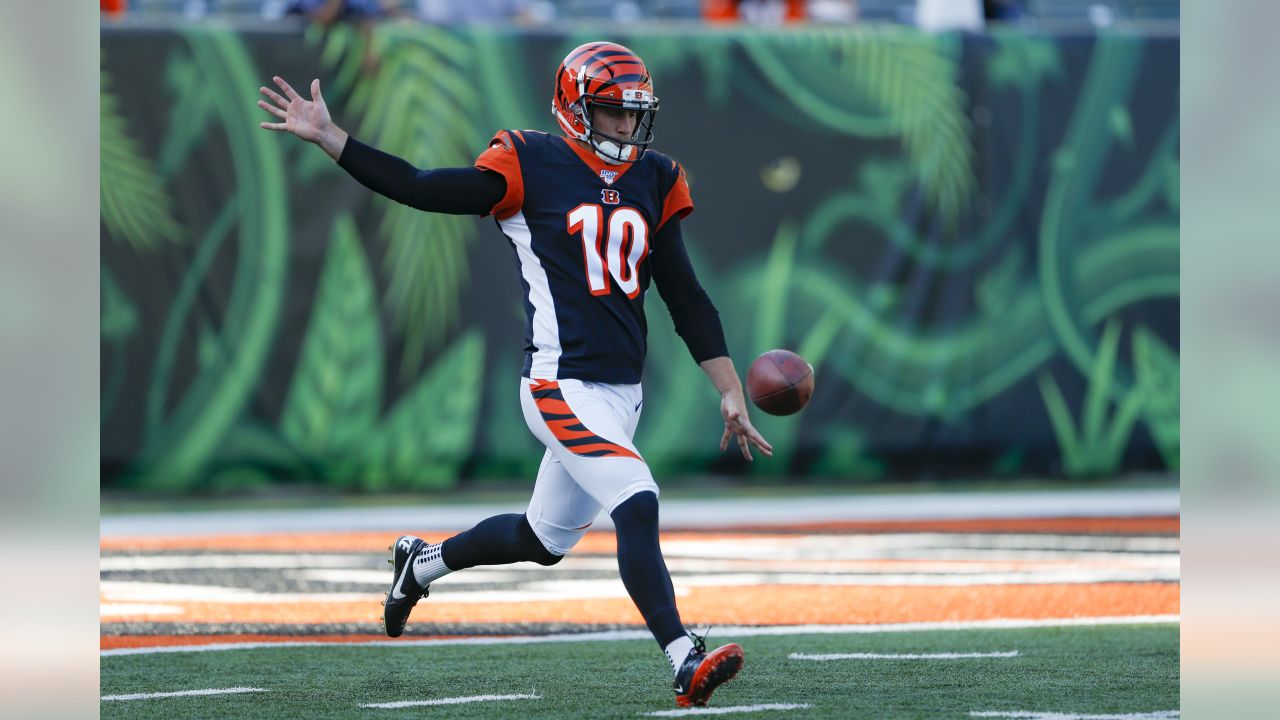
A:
(1158, 377)
(421, 105)
(425, 439)
(1077, 166)
(118, 324)
(179, 447)
(1098, 445)
(336, 392)
(136, 206)
(912, 333)
(331, 415)
(189, 114)
(1022, 60)
(904, 84)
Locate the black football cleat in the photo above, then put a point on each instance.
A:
(405, 591)
(702, 672)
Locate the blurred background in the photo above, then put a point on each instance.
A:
(964, 214)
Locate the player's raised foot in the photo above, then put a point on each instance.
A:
(702, 672)
(405, 590)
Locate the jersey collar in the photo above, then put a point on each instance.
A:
(599, 167)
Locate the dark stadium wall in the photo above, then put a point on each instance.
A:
(973, 238)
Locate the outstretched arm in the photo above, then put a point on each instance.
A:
(698, 324)
(457, 191)
(307, 119)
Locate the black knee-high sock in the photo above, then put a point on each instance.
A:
(643, 570)
(499, 540)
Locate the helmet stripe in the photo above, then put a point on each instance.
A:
(592, 48)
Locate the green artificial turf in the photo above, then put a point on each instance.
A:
(1093, 670)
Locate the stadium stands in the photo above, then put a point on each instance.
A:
(1043, 13)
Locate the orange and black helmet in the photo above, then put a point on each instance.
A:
(604, 73)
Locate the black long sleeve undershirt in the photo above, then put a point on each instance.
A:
(455, 191)
(696, 319)
(472, 191)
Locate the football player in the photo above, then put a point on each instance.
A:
(592, 214)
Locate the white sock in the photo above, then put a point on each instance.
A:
(677, 650)
(428, 566)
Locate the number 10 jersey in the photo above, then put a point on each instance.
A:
(583, 232)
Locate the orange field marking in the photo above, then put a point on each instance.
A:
(603, 541)
(738, 605)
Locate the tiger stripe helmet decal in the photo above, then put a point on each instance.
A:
(604, 73)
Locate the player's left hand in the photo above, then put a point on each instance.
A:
(736, 422)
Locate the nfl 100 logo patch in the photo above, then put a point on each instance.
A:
(609, 176)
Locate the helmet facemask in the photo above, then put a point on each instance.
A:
(617, 150)
(604, 74)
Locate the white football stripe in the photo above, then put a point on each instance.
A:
(228, 562)
(150, 592)
(867, 566)
(182, 693)
(382, 576)
(726, 631)
(902, 656)
(129, 609)
(728, 709)
(546, 329)
(1029, 715)
(992, 546)
(1027, 578)
(448, 701)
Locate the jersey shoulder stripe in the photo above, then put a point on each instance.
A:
(503, 157)
(677, 201)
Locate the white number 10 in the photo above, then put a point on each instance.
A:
(626, 244)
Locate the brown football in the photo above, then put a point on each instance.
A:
(780, 382)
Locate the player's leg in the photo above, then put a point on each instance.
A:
(559, 511)
(589, 429)
(497, 540)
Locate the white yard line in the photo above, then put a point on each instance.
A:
(729, 709)
(232, 561)
(902, 656)
(113, 609)
(129, 591)
(676, 513)
(1032, 715)
(448, 701)
(182, 693)
(721, 630)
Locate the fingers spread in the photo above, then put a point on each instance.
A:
(724, 439)
(315, 90)
(272, 109)
(761, 443)
(288, 89)
(275, 96)
(272, 126)
(746, 447)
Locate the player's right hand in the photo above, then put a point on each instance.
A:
(308, 119)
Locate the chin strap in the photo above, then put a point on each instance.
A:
(609, 151)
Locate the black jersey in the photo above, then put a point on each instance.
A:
(581, 230)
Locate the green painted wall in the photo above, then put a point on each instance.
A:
(973, 238)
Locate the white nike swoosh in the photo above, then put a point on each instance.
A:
(395, 589)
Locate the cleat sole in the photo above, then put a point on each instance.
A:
(719, 668)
